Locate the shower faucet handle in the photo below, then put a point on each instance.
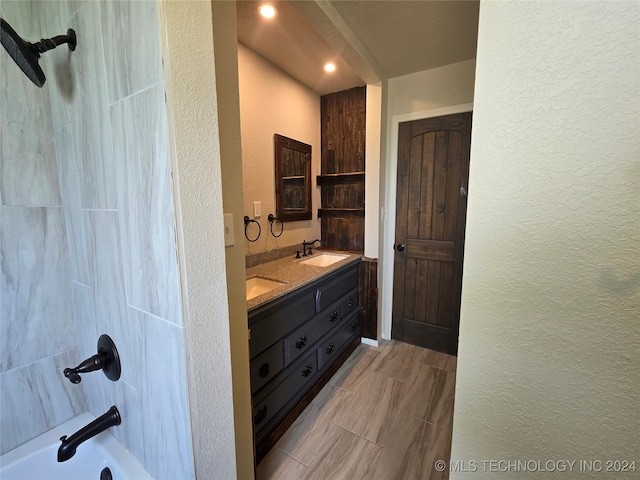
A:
(107, 359)
(72, 375)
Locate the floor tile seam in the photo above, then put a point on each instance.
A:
(359, 376)
(445, 400)
(392, 410)
(321, 412)
(433, 392)
(358, 435)
(342, 388)
(423, 420)
(292, 457)
(390, 376)
(393, 378)
(393, 392)
(436, 367)
(439, 427)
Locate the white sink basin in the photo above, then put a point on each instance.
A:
(258, 285)
(324, 259)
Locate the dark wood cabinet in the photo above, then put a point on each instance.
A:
(342, 180)
(295, 342)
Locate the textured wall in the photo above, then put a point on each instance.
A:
(226, 60)
(197, 146)
(548, 366)
(107, 110)
(272, 102)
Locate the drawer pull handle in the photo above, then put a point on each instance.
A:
(301, 342)
(260, 416)
(333, 317)
(264, 370)
(307, 370)
(350, 303)
(330, 349)
(353, 325)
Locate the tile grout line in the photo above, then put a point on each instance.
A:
(292, 457)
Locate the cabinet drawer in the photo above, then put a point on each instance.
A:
(349, 303)
(266, 366)
(266, 406)
(273, 323)
(303, 339)
(330, 348)
(332, 291)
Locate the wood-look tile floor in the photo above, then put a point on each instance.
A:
(386, 414)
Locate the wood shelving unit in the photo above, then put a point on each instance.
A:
(340, 212)
(339, 178)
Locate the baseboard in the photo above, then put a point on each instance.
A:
(369, 341)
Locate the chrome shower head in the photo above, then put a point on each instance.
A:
(26, 54)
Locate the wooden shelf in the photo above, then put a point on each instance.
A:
(340, 212)
(339, 178)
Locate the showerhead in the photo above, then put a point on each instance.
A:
(26, 54)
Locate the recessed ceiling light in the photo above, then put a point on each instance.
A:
(330, 67)
(267, 11)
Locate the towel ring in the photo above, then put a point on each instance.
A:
(273, 220)
(247, 221)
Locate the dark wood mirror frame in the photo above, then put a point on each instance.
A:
(293, 179)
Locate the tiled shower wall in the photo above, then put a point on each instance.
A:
(88, 242)
(38, 326)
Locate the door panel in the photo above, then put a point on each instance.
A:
(433, 168)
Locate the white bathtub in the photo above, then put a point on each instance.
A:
(37, 459)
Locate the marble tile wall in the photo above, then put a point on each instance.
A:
(38, 324)
(108, 174)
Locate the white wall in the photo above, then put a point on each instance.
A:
(436, 88)
(226, 59)
(549, 338)
(431, 93)
(193, 110)
(272, 102)
(372, 170)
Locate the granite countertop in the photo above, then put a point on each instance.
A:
(294, 274)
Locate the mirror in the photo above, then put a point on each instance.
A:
(293, 179)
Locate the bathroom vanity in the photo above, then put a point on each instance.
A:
(300, 333)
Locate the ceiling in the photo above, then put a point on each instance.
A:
(369, 41)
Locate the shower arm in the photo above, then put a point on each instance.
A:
(46, 44)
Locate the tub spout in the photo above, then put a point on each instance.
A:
(100, 424)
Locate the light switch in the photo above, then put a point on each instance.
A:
(228, 230)
(257, 209)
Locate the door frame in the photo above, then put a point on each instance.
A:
(387, 255)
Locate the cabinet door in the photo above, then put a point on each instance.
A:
(266, 366)
(332, 346)
(333, 290)
(298, 377)
(273, 323)
(349, 303)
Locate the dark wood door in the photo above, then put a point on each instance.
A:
(431, 205)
